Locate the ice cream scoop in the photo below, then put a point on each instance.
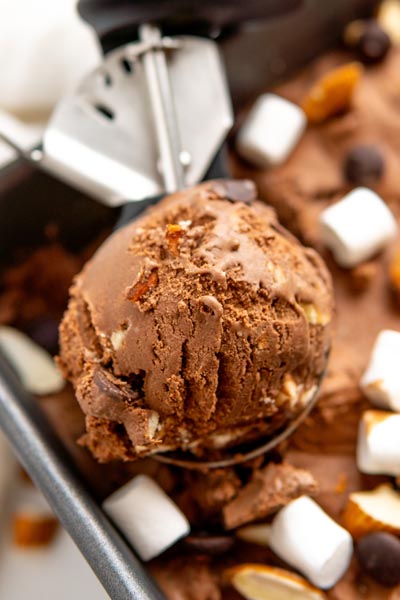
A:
(203, 325)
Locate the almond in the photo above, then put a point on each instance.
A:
(173, 236)
(143, 285)
(395, 273)
(262, 582)
(255, 534)
(376, 510)
(33, 530)
(332, 94)
(34, 365)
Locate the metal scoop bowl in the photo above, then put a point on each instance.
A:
(237, 455)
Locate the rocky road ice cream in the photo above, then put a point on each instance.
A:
(199, 326)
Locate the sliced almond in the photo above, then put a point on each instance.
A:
(313, 315)
(255, 534)
(376, 510)
(34, 365)
(332, 94)
(142, 285)
(33, 530)
(262, 582)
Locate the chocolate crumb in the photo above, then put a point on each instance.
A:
(269, 489)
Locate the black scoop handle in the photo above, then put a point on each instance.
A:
(110, 18)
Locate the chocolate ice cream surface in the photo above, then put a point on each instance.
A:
(201, 325)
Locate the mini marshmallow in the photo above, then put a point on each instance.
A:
(36, 368)
(271, 131)
(306, 538)
(357, 227)
(378, 444)
(381, 381)
(146, 516)
(51, 47)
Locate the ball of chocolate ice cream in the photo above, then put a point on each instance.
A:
(200, 325)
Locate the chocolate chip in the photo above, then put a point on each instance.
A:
(379, 557)
(235, 190)
(364, 165)
(107, 388)
(373, 44)
(210, 544)
(44, 331)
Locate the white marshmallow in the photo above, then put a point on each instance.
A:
(146, 516)
(306, 538)
(36, 368)
(46, 49)
(381, 382)
(378, 445)
(271, 131)
(357, 227)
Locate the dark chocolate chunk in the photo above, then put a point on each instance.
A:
(210, 544)
(379, 556)
(235, 190)
(44, 331)
(373, 44)
(107, 388)
(364, 165)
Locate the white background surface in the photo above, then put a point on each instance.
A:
(55, 572)
(45, 50)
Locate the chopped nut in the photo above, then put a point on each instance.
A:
(255, 534)
(263, 582)
(290, 391)
(143, 285)
(313, 315)
(173, 235)
(374, 510)
(332, 94)
(341, 485)
(353, 32)
(34, 530)
(395, 272)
